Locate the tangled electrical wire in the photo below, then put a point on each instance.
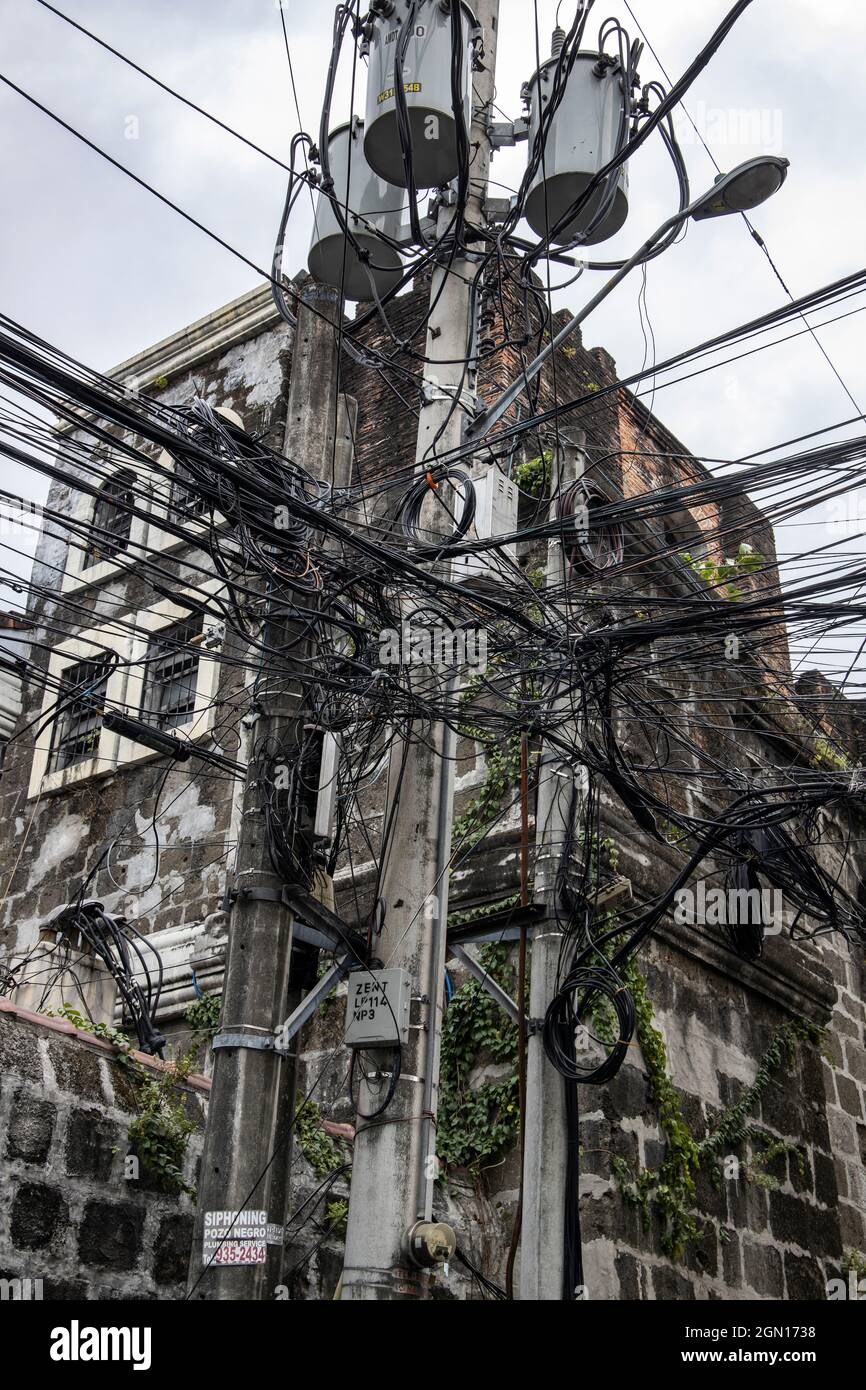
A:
(670, 567)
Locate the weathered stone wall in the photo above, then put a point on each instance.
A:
(159, 847)
(69, 1215)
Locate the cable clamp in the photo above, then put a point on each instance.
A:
(255, 1042)
(258, 895)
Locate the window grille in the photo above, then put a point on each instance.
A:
(171, 675)
(78, 726)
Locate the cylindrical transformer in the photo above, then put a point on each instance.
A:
(427, 85)
(369, 205)
(582, 139)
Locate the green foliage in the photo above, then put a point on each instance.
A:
(610, 850)
(477, 914)
(203, 1016)
(746, 561)
(533, 476)
(755, 1170)
(318, 1148)
(476, 1123)
(337, 1216)
(669, 1190)
(735, 1128)
(324, 1157)
(503, 770)
(160, 1132)
(854, 1263)
(826, 756)
(99, 1030)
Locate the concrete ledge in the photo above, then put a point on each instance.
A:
(94, 1043)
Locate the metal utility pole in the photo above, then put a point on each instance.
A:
(394, 1168)
(252, 1100)
(545, 1155)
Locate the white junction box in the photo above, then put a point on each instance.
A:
(377, 1008)
(495, 515)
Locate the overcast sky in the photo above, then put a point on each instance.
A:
(96, 265)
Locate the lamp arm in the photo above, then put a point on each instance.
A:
(488, 418)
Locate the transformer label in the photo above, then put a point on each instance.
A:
(407, 87)
(420, 32)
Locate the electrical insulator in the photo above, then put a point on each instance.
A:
(369, 206)
(427, 85)
(583, 138)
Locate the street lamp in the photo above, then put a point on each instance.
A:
(744, 188)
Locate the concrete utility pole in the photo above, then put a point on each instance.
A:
(252, 1101)
(545, 1156)
(394, 1167)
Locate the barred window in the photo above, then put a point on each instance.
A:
(186, 495)
(171, 675)
(77, 728)
(112, 517)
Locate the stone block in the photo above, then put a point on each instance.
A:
(732, 1260)
(110, 1236)
(90, 1141)
(77, 1069)
(671, 1286)
(762, 1266)
(39, 1215)
(19, 1050)
(31, 1126)
(850, 1097)
(855, 1057)
(628, 1274)
(790, 1219)
(805, 1279)
(826, 1184)
(782, 1111)
(172, 1249)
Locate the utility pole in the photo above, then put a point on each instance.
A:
(394, 1165)
(252, 1099)
(545, 1155)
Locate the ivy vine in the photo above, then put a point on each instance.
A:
(503, 770)
(670, 1190)
(317, 1146)
(203, 1017)
(476, 1123)
(726, 571)
(161, 1130)
(533, 477)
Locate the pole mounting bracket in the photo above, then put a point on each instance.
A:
(256, 1042)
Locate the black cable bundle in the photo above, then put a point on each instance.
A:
(116, 941)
